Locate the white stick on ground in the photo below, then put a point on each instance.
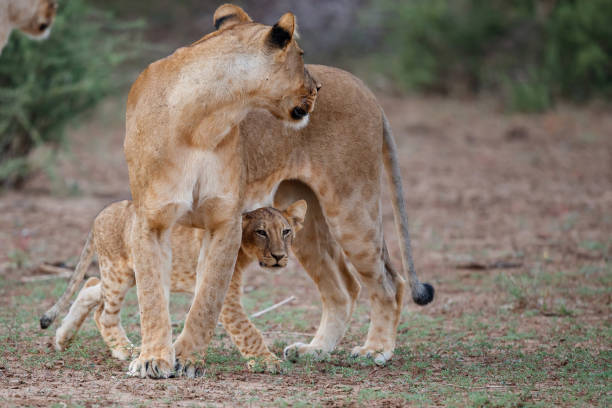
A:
(279, 304)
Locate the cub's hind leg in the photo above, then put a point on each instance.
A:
(243, 332)
(88, 298)
(117, 279)
(324, 261)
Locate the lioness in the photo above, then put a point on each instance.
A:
(33, 17)
(336, 164)
(337, 161)
(182, 147)
(266, 236)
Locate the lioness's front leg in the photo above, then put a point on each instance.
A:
(214, 271)
(152, 254)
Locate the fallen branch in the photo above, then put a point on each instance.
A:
(494, 265)
(257, 314)
(37, 278)
(279, 304)
(53, 270)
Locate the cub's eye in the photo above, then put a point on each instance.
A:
(261, 233)
(286, 232)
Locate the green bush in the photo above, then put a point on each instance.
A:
(46, 85)
(530, 51)
(579, 48)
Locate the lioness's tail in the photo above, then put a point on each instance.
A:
(77, 277)
(422, 293)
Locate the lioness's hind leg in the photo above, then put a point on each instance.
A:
(323, 260)
(360, 235)
(117, 280)
(88, 298)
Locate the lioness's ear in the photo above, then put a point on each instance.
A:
(229, 15)
(296, 213)
(282, 32)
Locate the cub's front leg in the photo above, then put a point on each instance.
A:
(244, 334)
(214, 271)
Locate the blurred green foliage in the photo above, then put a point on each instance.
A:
(45, 85)
(531, 51)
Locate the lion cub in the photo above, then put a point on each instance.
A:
(33, 17)
(266, 236)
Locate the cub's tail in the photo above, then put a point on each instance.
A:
(77, 277)
(422, 293)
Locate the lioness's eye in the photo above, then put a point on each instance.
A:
(286, 232)
(262, 233)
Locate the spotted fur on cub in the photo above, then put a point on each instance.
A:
(267, 234)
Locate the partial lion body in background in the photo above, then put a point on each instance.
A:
(32, 17)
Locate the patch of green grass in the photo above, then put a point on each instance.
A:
(595, 246)
(483, 358)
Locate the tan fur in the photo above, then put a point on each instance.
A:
(267, 235)
(182, 150)
(336, 165)
(33, 17)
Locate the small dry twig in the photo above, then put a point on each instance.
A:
(279, 304)
(53, 270)
(37, 278)
(492, 265)
(261, 312)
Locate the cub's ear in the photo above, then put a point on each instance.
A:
(246, 217)
(282, 32)
(229, 15)
(296, 213)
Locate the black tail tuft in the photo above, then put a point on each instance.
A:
(45, 322)
(423, 294)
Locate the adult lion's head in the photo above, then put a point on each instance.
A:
(289, 91)
(37, 21)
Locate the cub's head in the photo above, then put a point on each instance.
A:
(38, 26)
(267, 233)
(282, 85)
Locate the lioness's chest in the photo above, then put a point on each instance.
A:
(200, 176)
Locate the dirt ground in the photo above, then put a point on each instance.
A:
(511, 218)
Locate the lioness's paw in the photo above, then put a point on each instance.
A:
(152, 368)
(269, 364)
(189, 368)
(59, 344)
(296, 350)
(380, 357)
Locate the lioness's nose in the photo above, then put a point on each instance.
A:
(318, 86)
(278, 257)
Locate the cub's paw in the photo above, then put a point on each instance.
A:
(189, 368)
(296, 350)
(124, 352)
(151, 367)
(268, 364)
(380, 357)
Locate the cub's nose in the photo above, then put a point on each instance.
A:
(43, 26)
(278, 257)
